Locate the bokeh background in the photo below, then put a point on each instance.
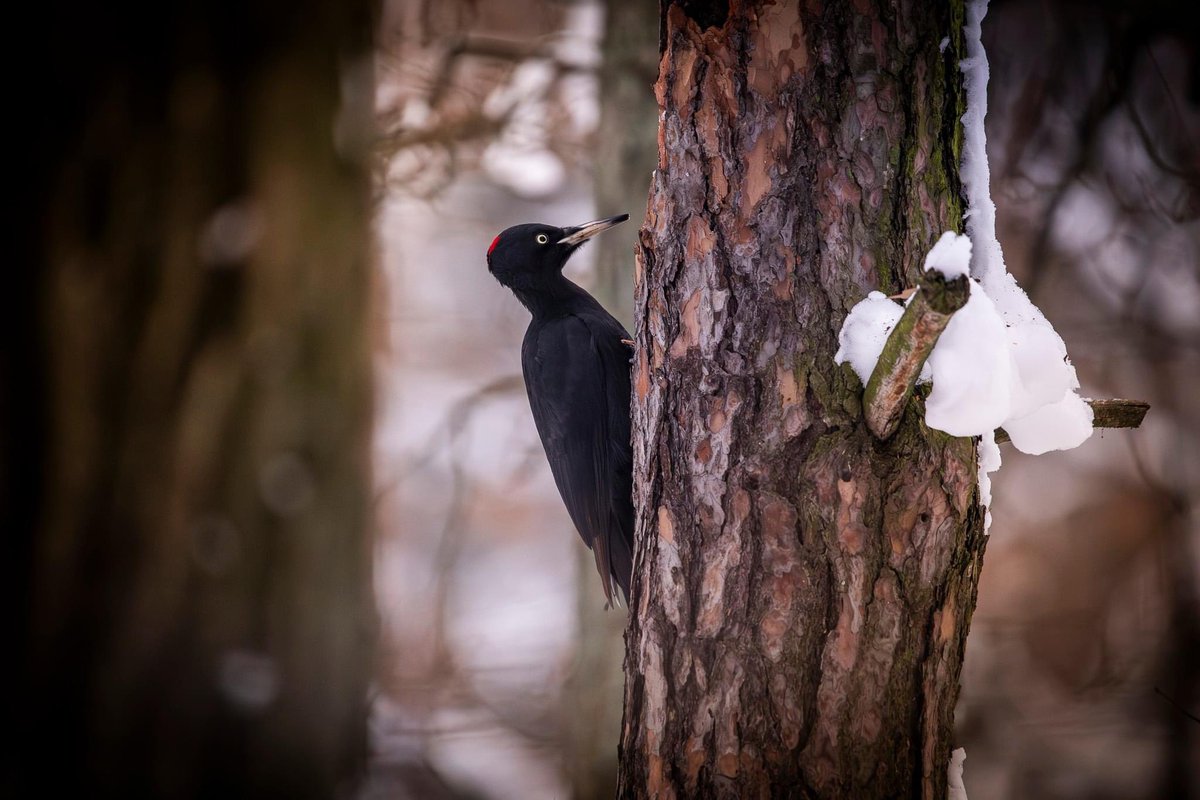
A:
(272, 501)
(499, 675)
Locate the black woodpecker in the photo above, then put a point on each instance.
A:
(575, 359)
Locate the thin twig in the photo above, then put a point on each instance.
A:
(1179, 707)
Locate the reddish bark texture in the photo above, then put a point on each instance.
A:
(802, 590)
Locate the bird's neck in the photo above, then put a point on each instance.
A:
(550, 296)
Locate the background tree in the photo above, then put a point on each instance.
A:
(187, 402)
(624, 157)
(803, 591)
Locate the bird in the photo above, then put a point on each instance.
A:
(575, 359)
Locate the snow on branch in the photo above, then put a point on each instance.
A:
(951, 332)
(1114, 413)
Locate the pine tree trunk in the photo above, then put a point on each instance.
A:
(802, 590)
(187, 429)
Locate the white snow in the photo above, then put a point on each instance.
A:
(989, 462)
(976, 177)
(958, 791)
(999, 363)
(865, 331)
(950, 255)
(1050, 426)
(971, 370)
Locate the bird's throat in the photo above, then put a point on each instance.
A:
(549, 295)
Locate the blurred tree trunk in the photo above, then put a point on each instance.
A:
(625, 155)
(187, 402)
(625, 150)
(802, 590)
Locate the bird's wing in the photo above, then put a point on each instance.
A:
(577, 377)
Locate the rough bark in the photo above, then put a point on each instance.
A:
(625, 155)
(802, 590)
(188, 408)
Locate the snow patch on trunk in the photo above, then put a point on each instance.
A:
(999, 363)
(958, 791)
(865, 331)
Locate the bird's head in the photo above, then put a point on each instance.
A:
(524, 255)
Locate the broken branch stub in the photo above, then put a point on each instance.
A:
(1113, 413)
(907, 348)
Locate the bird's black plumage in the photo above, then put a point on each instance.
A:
(575, 360)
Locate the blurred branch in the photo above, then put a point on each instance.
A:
(455, 420)
(478, 123)
(1174, 703)
(1190, 159)
(494, 48)
(1113, 84)
(1151, 146)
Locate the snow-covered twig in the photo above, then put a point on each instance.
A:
(907, 348)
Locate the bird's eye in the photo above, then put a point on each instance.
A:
(542, 238)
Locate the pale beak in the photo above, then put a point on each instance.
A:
(581, 233)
